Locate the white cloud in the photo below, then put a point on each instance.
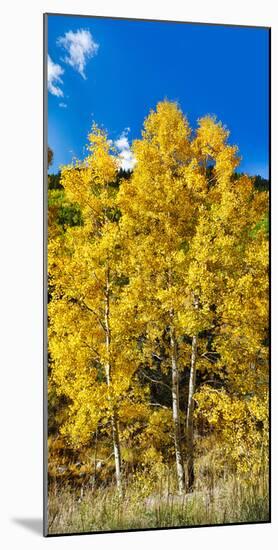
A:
(127, 160)
(54, 72)
(63, 105)
(80, 47)
(122, 142)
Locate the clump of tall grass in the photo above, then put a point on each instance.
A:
(219, 500)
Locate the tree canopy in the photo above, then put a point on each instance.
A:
(158, 310)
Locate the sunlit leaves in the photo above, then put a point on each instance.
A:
(181, 231)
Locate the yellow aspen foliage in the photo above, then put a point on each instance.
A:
(190, 234)
(241, 426)
(89, 364)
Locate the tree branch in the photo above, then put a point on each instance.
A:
(156, 381)
(95, 314)
(158, 405)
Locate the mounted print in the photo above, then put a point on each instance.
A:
(156, 274)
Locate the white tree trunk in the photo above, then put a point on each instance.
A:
(117, 453)
(190, 411)
(176, 413)
(114, 420)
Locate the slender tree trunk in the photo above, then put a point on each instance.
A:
(95, 459)
(190, 411)
(114, 420)
(189, 418)
(117, 452)
(176, 412)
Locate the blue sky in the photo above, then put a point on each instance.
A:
(115, 71)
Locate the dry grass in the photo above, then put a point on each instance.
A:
(227, 500)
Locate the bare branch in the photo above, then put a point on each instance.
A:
(158, 405)
(210, 359)
(92, 349)
(156, 381)
(95, 314)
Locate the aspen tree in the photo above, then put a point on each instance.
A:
(219, 273)
(83, 271)
(157, 217)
